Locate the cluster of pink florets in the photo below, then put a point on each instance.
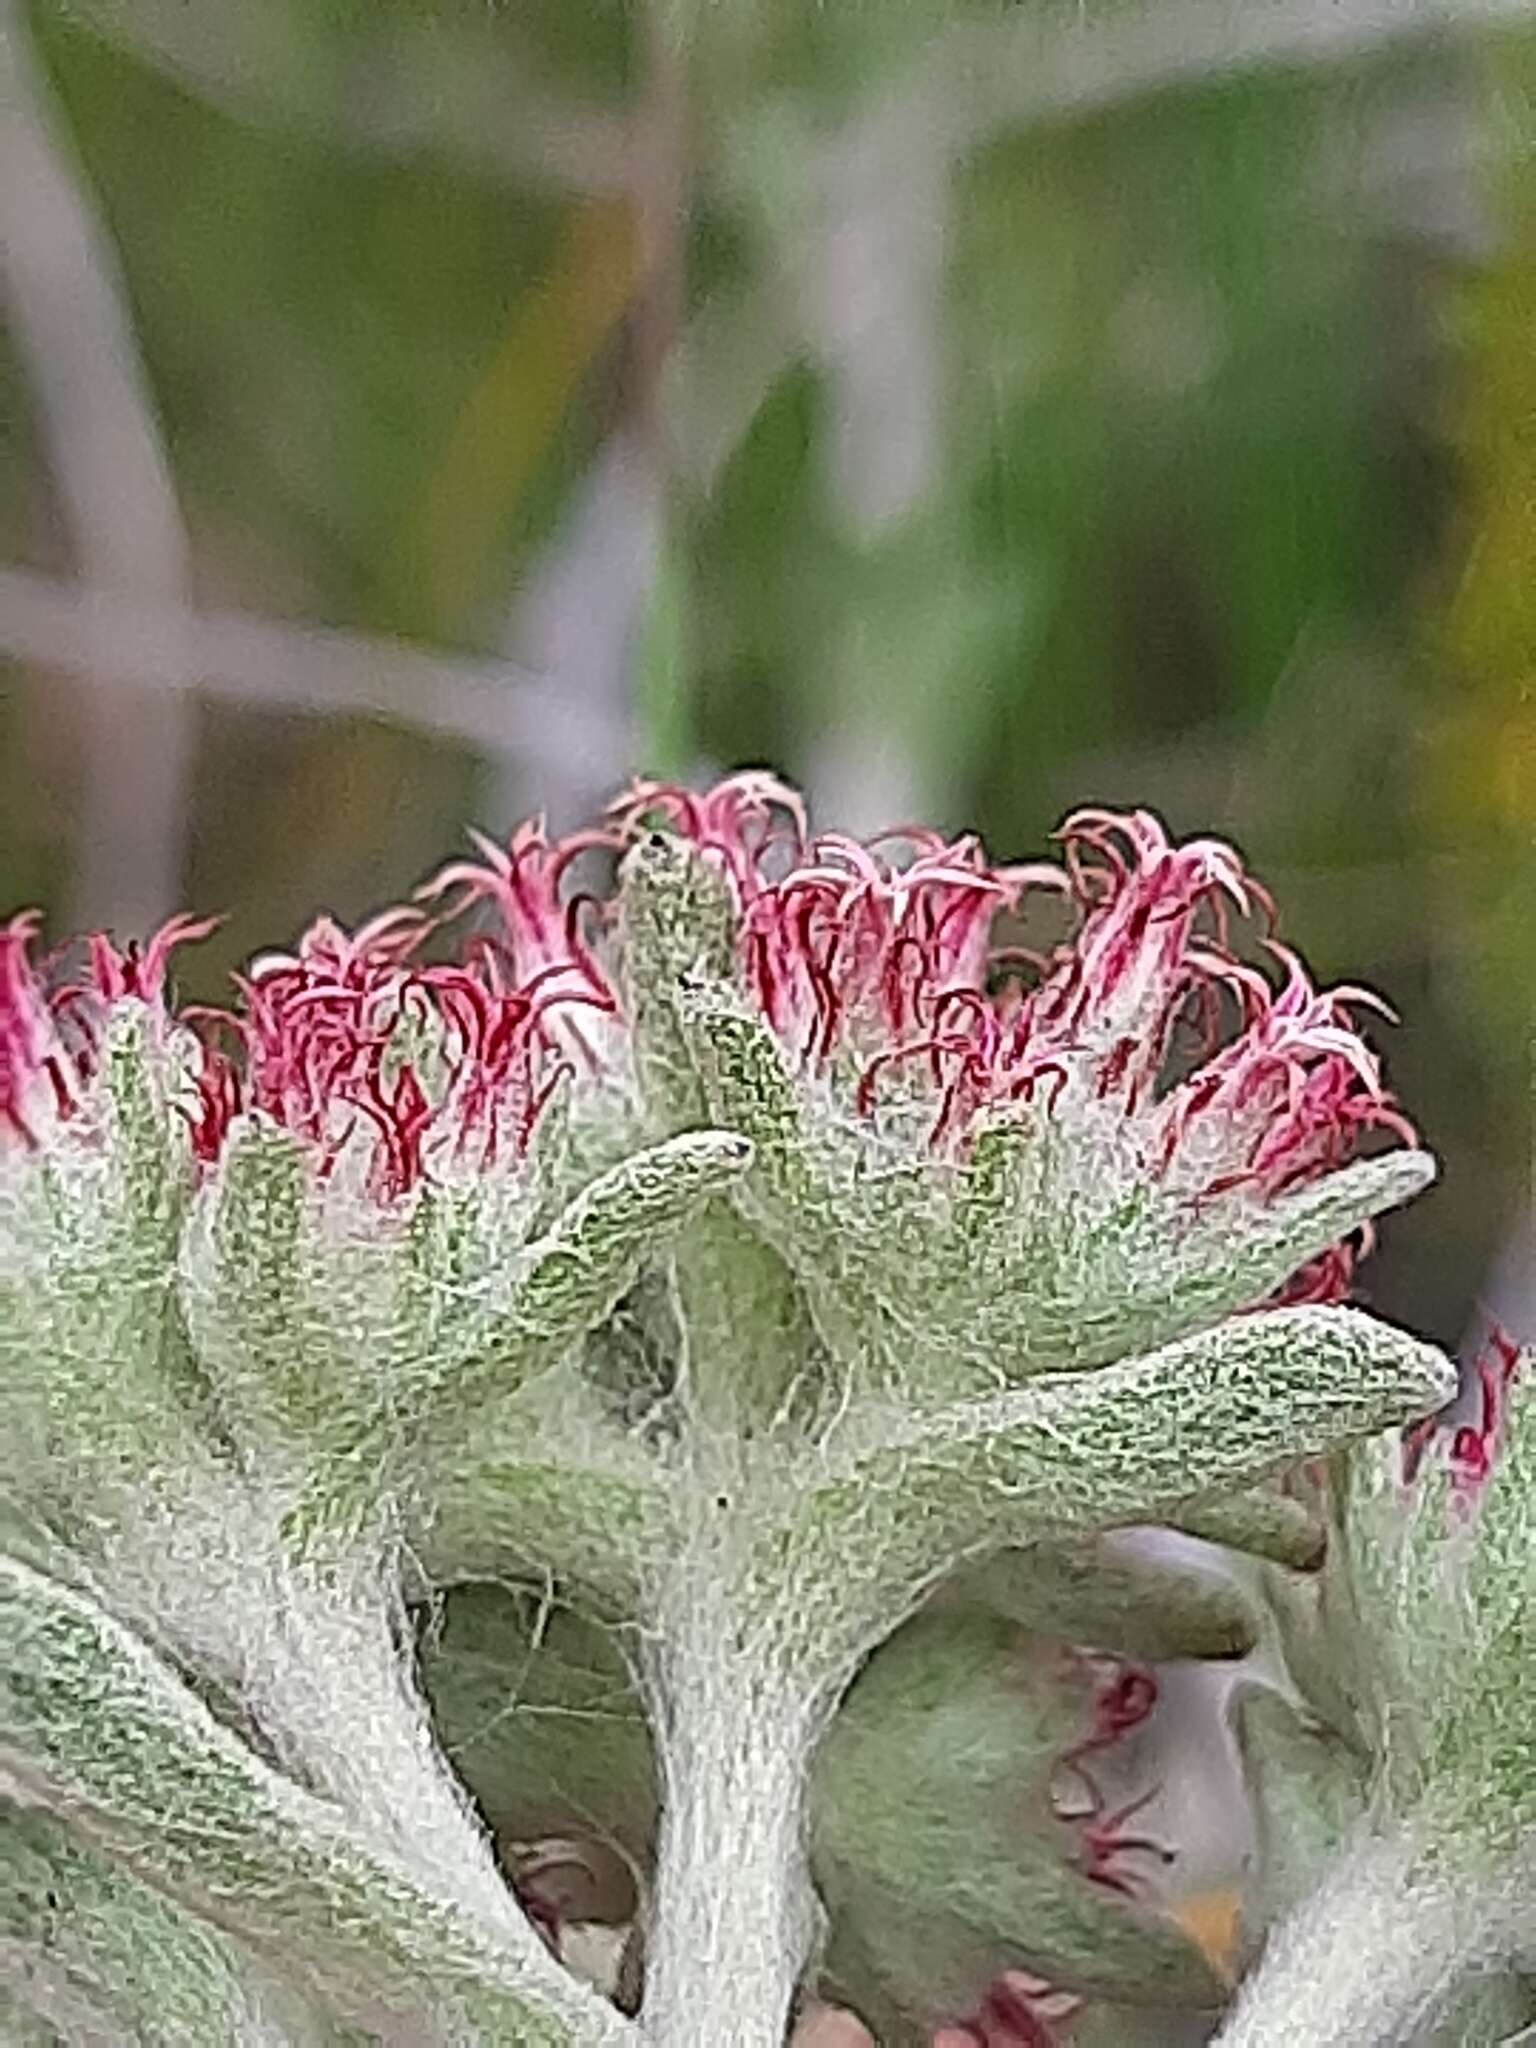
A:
(883, 954)
(879, 961)
(318, 1032)
(50, 1026)
(313, 1041)
(1470, 1448)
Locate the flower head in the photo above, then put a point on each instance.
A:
(884, 967)
(351, 1040)
(51, 1027)
(883, 954)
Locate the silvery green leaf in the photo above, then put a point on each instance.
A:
(1104, 1592)
(505, 1328)
(1261, 1521)
(98, 1729)
(1205, 1416)
(1309, 1791)
(99, 1952)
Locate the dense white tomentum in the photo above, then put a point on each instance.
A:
(1399, 1812)
(742, 1260)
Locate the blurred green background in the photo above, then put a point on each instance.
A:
(420, 414)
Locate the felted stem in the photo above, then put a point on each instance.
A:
(735, 1914)
(333, 1692)
(314, 1650)
(1379, 1950)
(94, 1726)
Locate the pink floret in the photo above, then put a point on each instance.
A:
(1470, 1449)
(50, 1030)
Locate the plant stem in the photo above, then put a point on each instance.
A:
(734, 1914)
(1380, 1949)
(336, 1699)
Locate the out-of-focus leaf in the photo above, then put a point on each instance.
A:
(536, 1710)
(1478, 771)
(514, 409)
